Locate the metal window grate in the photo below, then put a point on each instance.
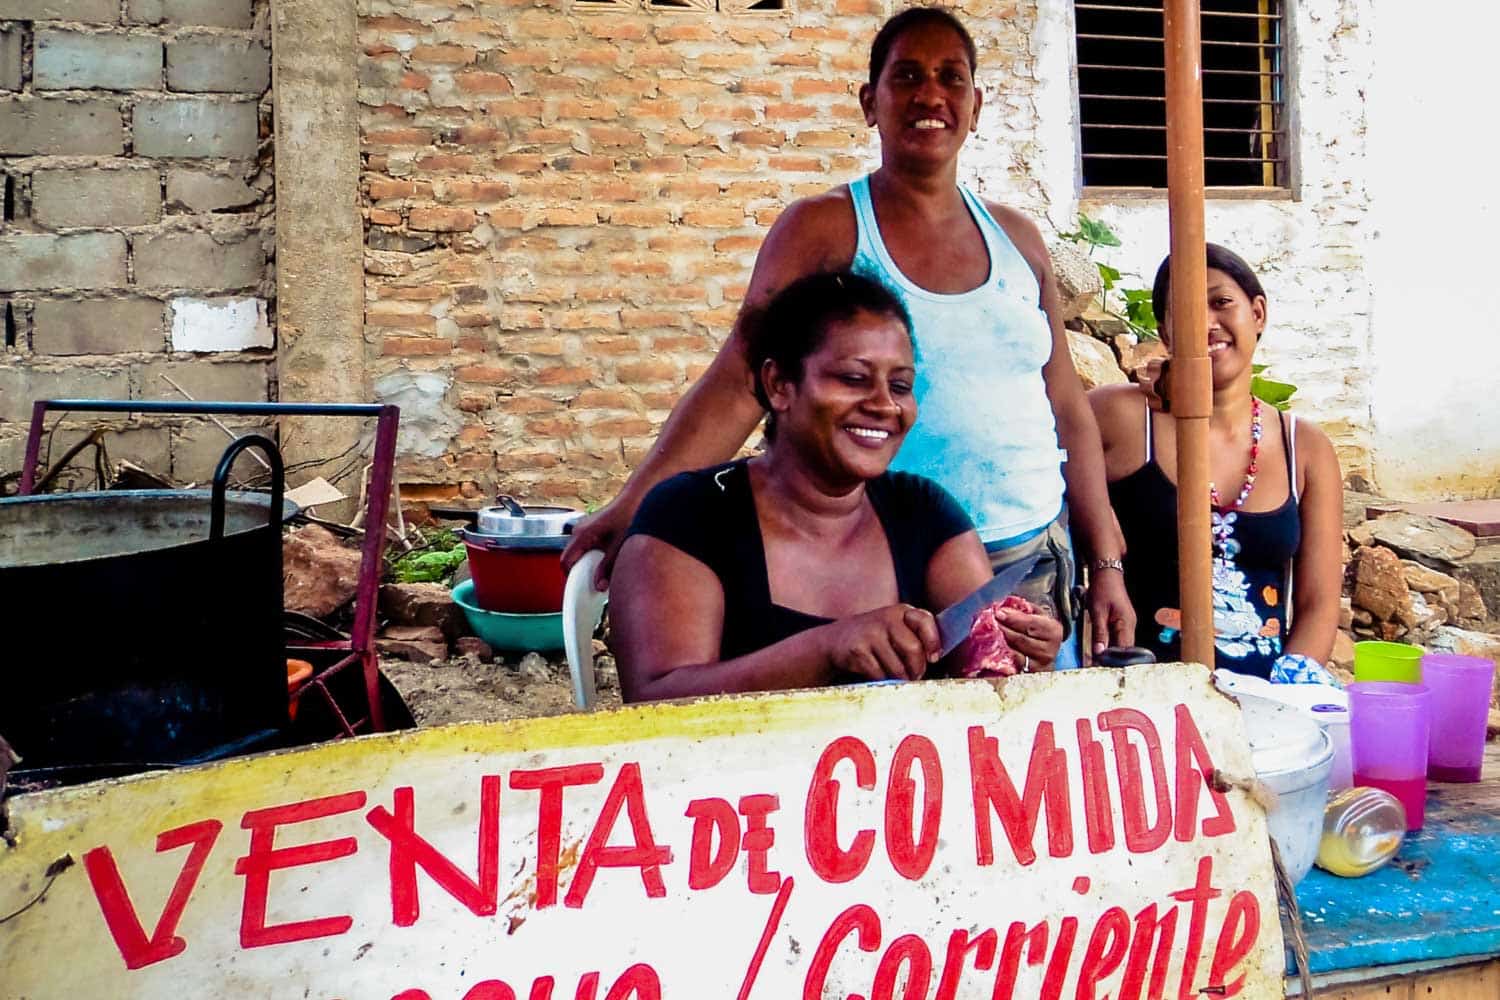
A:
(1122, 93)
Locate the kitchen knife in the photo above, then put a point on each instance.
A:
(955, 623)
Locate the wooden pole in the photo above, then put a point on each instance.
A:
(1191, 390)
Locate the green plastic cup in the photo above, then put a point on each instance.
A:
(1398, 662)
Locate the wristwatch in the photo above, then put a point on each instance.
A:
(1100, 565)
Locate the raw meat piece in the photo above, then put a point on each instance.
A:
(989, 655)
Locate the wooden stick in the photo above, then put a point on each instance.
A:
(1191, 372)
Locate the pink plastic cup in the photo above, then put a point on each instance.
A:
(1460, 688)
(1389, 725)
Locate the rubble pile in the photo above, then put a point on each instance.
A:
(1416, 579)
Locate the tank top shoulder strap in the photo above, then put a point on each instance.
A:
(1008, 266)
(1150, 444)
(1289, 445)
(868, 229)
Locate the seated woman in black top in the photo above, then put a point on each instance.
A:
(1276, 493)
(809, 564)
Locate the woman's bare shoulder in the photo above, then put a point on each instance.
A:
(826, 218)
(1024, 233)
(1315, 452)
(1115, 401)
(816, 233)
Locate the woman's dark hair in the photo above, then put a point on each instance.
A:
(1219, 259)
(793, 324)
(916, 17)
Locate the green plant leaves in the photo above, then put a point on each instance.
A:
(1138, 312)
(1109, 275)
(435, 559)
(1092, 232)
(1097, 233)
(1268, 390)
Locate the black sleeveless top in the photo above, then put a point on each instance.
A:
(710, 515)
(1252, 567)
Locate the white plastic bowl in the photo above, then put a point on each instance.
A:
(1293, 756)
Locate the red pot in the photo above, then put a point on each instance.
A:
(516, 580)
(514, 557)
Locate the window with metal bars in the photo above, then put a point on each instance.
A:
(1122, 93)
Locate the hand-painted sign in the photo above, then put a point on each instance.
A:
(1048, 836)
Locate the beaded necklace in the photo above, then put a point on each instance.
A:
(1223, 522)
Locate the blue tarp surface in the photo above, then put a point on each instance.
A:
(1439, 898)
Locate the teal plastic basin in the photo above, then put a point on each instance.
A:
(516, 633)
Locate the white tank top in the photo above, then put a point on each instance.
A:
(985, 428)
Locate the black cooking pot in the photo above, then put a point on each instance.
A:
(143, 627)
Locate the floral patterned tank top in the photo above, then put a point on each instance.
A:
(1252, 566)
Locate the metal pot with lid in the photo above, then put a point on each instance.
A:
(525, 525)
(514, 555)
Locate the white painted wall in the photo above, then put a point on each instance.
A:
(1371, 267)
(1431, 171)
(1310, 252)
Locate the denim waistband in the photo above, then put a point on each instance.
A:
(1025, 536)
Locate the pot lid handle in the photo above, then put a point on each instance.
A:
(511, 506)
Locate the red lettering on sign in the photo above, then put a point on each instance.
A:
(639, 981)
(1098, 815)
(773, 923)
(1190, 781)
(412, 995)
(959, 946)
(119, 912)
(588, 987)
(820, 819)
(1062, 954)
(408, 851)
(551, 781)
(911, 951)
(490, 989)
(1236, 938)
(1140, 837)
(912, 856)
(858, 919)
(757, 842)
(707, 868)
(642, 853)
(1046, 781)
(263, 857)
(1199, 895)
(1016, 936)
(1104, 952)
(1147, 927)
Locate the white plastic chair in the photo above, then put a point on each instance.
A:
(582, 608)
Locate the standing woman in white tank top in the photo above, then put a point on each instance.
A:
(1012, 432)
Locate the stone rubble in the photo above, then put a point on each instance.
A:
(319, 572)
(1418, 580)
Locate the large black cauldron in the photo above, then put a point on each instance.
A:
(143, 627)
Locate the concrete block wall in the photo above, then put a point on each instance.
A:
(563, 206)
(136, 239)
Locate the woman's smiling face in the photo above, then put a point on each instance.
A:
(924, 103)
(853, 405)
(1235, 323)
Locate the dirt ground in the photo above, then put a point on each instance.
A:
(465, 689)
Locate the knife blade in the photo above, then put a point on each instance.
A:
(955, 623)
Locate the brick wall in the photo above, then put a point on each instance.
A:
(136, 238)
(563, 201)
